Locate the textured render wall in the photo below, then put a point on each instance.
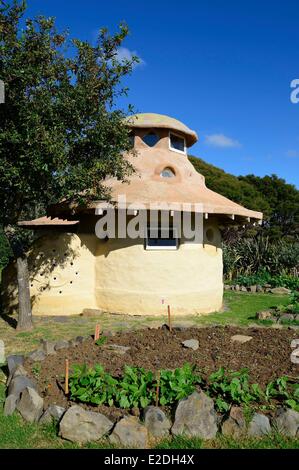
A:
(132, 280)
(62, 275)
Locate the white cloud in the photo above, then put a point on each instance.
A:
(292, 153)
(221, 140)
(123, 53)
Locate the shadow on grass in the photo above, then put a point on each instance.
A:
(9, 320)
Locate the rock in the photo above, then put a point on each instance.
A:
(74, 343)
(226, 287)
(79, 425)
(237, 287)
(280, 290)
(129, 432)
(18, 385)
(116, 348)
(2, 352)
(91, 312)
(287, 422)
(80, 339)
(259, 425)
(243, 289)
(252, 289)
(37, 355)
(30, 405)
(235, 425)
(196, 416)
(48, 347)
(296, 317)
(241, 338)
(61, 319)
(53, 412)
(10, 404)
(267, 286)
(19, 371)
(191, 344)
(13, 361)
(264, 315)
(259, 288)
(62, 345)
(156, 422)
(286, 317)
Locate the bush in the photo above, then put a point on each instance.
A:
(259, 256)
(262, 278)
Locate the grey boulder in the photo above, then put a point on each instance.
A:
(37, 355)
(280, 291)
(79, 425)
(13, 361)
(259, 425)
(235, 425)
(18, 384)
(53, 412)
(129, 432)
(191, 344)
(156, 422)
(287, 422)
(30, 405)
(62, 345)
(10, 405)
(196, 416)
(48, 347)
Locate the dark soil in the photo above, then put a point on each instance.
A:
(267, 356)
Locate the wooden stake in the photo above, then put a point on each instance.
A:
(158, 388)
(66, 390)
(97, 332)
(169, 319)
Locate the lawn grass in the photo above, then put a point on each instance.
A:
(17, 434)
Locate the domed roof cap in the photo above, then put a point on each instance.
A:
(153, 120)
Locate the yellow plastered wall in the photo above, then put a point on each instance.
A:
(135, 281)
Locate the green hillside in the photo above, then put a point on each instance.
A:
(278, 200)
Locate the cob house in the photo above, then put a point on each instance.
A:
(71, 269)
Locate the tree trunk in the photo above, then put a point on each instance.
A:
(25, 313)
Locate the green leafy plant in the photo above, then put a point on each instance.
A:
(36, 368)
(177, 384)
(232, 388)
(101, 340)
(137, 388)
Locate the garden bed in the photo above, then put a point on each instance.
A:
(266, 355)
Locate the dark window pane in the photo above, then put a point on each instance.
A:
(150, 139)
(162, 238)
(177, 143)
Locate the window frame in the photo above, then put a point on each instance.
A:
(184, 152)
(162, 248)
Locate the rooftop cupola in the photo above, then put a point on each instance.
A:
(157, 131)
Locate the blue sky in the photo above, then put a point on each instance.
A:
(223, 68)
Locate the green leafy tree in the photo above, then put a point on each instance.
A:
(61, 134)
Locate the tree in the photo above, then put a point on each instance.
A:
(60, 132)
